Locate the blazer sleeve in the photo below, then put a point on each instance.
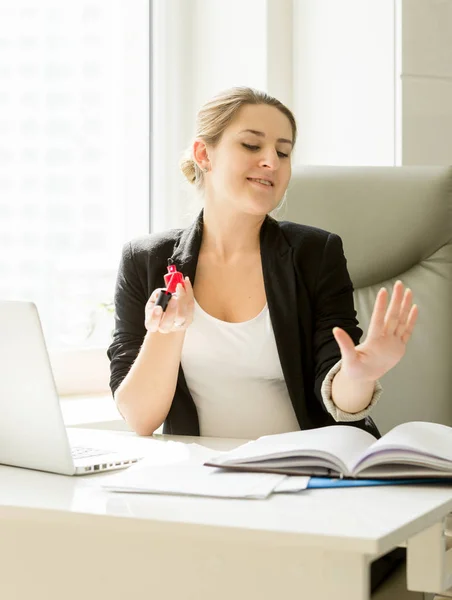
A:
(130, 301)
(334, 307)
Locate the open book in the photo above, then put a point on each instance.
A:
(415, 449)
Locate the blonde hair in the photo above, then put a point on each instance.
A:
(216, 115)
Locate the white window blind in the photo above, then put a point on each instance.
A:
(74, 156)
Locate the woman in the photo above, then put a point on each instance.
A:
(262, 337)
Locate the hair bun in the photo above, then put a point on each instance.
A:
(188, 168)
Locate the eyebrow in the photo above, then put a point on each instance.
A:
(262, 134)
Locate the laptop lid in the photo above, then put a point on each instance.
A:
(32, 430)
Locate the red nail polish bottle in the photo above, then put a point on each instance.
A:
(172, 278)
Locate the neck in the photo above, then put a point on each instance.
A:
(227, 236)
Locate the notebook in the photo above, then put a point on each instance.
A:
(410, 450)
(32, 431)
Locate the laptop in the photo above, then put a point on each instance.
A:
(32, 430)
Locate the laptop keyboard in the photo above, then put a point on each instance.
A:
(83, 452)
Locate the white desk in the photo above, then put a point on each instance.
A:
(64, 538)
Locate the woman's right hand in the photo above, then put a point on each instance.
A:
(178, 314)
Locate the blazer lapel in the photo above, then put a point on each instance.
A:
(185, 257)
(281, 291)
(186, 252)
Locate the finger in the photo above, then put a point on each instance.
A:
(393, 312)
(180, 318)
(188, 302)
(152, 321)
(149, 305)
(188, 287)
(167, 322)
(377, 320)
(181, 309)
(411, 322)
(153, 297)
(180, 291)
(345, 343)
(404, 312)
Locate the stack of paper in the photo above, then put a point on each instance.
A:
(198, 480)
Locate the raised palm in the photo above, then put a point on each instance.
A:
(389, 331)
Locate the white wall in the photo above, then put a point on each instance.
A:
(369, 81)
(228, 51)
(373, 81)
(426, 81)
(172, 106)
(343, 81)
(202, 47)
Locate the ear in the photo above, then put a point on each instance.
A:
(200, 154)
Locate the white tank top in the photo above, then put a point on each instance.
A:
(234, 375)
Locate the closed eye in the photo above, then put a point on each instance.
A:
(256, 148)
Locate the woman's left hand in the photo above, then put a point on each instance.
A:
(390, 329)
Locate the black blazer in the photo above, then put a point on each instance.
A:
(308, 290)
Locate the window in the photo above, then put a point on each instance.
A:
(74, 157)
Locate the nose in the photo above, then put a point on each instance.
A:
(269, 159)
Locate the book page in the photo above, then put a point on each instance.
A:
(422, 442)
(340, 445)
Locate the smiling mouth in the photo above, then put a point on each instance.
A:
(261, 181)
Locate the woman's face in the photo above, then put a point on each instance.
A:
(250, 167)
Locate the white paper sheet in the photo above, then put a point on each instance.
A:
(292, 483)
(193, 480)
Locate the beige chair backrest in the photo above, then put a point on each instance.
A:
(395, 223)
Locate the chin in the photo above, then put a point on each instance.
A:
(256, 211)
(260, 208)
(254, 205)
